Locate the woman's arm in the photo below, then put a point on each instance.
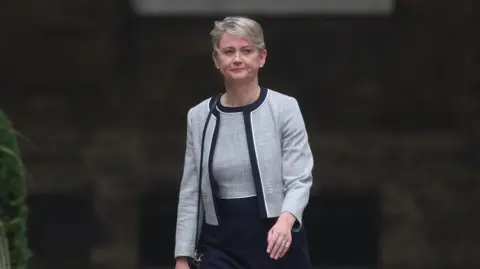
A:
(188, 201)
(297, 162)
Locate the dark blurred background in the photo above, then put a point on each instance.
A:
(390, 98)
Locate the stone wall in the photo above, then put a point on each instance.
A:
(391, 105)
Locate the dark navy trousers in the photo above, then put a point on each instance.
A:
(240, 240)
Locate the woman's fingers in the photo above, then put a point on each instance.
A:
(279, 239)
(272, 239)
(279, 246)
(285, 248)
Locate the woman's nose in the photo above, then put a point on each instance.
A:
(237, 59)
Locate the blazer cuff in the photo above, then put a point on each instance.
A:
(184, 251)
(297, 226)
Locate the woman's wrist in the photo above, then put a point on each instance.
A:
(288, 218)
(182, 259)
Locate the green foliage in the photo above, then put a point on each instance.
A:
(4, 252)
(13, 207)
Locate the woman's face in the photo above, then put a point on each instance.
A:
(237, 58)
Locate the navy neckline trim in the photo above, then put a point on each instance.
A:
(250, 107)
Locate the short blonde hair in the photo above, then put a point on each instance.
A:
(239, 26)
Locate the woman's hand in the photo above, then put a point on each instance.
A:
(280, 236)
(182, 263)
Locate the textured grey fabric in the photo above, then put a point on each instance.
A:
(231, 163)
(283, 156)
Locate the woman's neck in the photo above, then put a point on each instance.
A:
(240, 94)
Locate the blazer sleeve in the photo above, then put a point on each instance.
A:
(188, 200)
(297, 162)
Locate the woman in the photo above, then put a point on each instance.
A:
(256, 174)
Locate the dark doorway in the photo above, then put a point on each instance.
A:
(61, 231)
(343, 230)
(158, 211)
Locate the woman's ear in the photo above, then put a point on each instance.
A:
(215, 58)
(263, 57)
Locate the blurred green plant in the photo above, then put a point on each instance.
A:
(4, 252)
(13, 194)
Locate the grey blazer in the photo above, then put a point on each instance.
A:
(280, 156)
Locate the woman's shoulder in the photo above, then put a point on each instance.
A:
(199, 110)
(280, 97)
(281, 100)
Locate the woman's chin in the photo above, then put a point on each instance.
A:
(237, 77)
